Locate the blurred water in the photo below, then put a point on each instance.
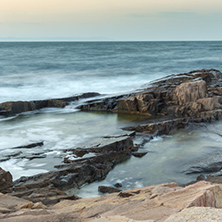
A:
(39, 70)
(167, 160)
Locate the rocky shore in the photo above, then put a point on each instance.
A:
(169, 103)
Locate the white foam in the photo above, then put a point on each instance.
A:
(18, 169)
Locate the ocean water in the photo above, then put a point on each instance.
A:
(41, 70)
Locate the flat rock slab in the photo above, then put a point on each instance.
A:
(154, 203)
(197, 214)
(165, 202)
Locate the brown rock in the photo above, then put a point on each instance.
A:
(191, 91)
(196, 214)
(128, 105)
(160, 128)
(210, 104)
(153, 203)
(13, 108)
(5, 179)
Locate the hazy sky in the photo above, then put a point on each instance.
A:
(136, 20)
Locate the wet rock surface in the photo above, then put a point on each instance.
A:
(196, 94)
(175, 101)
(49, 188)
(13, 108)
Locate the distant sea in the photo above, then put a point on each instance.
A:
(39, 70)
(42, 70)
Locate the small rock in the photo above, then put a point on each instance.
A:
(39, 205)
(105, 189)
(125, 194)
(28, 205)
(139, 154)
(200, 177)
(118, 185)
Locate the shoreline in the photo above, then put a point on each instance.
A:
(194, 97)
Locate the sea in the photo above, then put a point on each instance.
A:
(45, 70)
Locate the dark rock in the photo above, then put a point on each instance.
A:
(104, 104)
(78, 151)
(13, 154)
(13, 108)
(160, 128)
(5, 180)
(210, 164)
(118, 185)
(105, 189)
(4, 159)
(183, 95)
(131, 134)
(77, 172)
(125, 194)
(139, 154)
(32, 145)
(34, 156)
(200, 177)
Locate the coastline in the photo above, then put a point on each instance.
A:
(194, 97)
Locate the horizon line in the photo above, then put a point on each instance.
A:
(55, 40)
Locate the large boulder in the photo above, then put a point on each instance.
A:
(191, 92)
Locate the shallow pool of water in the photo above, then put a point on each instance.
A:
(168, 159)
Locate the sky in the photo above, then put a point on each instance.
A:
(111, 20)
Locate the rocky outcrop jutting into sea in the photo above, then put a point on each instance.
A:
(174, 101)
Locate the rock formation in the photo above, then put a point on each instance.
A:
(168, 103)
(197, 94)
(165, 202)
(13, 108)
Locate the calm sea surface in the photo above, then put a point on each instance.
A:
(40, 70)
